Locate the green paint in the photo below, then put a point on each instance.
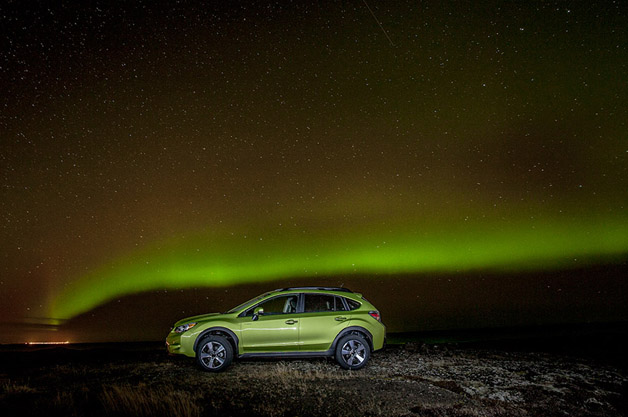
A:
(222, 258)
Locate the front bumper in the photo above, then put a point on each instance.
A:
(173, 343)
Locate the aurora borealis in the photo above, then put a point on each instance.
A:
(216, 261)
(149, 147)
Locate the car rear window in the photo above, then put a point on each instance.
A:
(353, 305)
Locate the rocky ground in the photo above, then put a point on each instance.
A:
(413, 380)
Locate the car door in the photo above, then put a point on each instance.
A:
(274, 330)
(323, 317)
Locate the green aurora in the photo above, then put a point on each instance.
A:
(223, 259)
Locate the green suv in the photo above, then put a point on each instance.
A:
(289, 322)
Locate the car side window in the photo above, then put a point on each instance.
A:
(340, 306)
(286, 304)
(352, 304)
(322, 302)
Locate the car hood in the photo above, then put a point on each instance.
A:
(199, 318)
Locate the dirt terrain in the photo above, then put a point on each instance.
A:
(410, 380)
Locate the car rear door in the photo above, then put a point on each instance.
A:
(323, 317)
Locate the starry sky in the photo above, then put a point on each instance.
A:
(465, 160)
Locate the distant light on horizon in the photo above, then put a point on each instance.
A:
(49, 343)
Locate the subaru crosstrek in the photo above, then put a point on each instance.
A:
(289, 322)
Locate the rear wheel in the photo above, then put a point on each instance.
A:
(214, 353)
(352, 351)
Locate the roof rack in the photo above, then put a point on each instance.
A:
(315, 288)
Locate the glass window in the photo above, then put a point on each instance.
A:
(285, 304)
(340, 306)
(322, 302)
(352, 304)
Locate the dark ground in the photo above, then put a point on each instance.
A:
(555, 371)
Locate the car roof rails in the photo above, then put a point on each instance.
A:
(316, 288)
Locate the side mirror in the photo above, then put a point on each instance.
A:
(259, 311)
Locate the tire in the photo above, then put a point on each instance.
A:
(214, 354)
(352, 351)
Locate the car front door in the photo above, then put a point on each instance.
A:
(323, 317)
(276, 329)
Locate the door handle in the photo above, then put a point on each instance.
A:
(291, 321)
(340, 318)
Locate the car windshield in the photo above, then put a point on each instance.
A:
(248, 303)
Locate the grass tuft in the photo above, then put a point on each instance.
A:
(10, 388)
(148, 401)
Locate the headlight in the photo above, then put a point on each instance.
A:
(184, 327)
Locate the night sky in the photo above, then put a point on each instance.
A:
(464, 164)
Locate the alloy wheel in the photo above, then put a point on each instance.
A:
(213, 355)
(353, 352)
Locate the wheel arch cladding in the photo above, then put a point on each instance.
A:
(219, 331)
(354, 330)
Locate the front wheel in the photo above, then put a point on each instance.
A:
(214, 354)
(352, 351)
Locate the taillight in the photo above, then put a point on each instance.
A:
(375, 315)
